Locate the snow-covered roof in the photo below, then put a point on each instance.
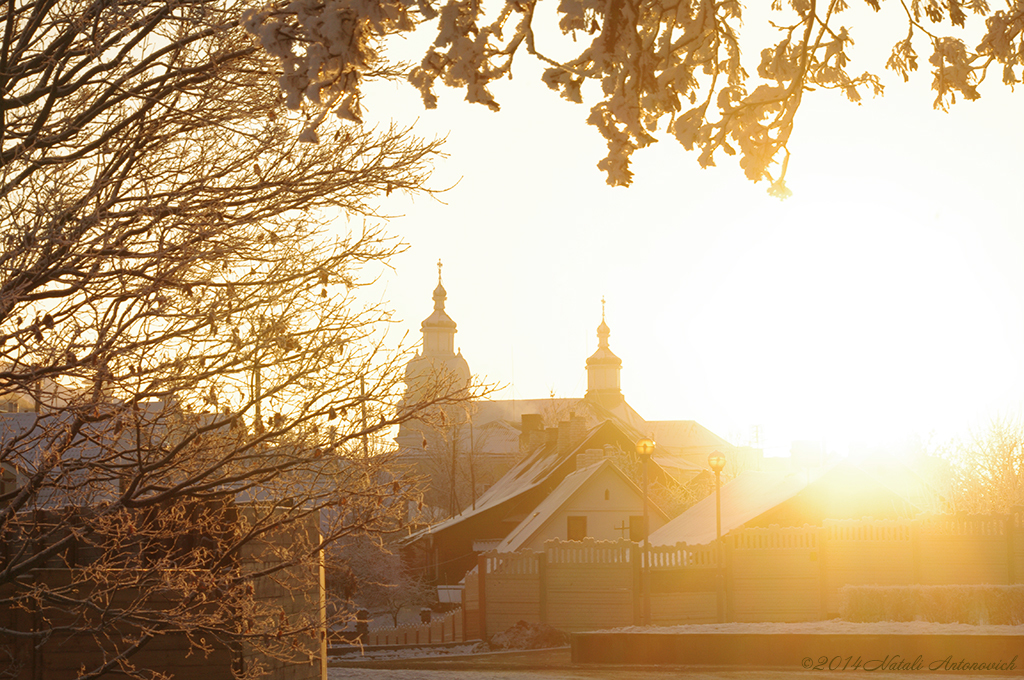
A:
(671, 461)
(28, 439)
(527, 474)
(549, 506)
(535, 469)
(559, 499)
(685, 434)
(750, 494)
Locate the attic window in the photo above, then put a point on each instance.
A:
(607, 495)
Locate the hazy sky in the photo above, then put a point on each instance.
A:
(883, 300)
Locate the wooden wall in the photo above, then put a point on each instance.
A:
(588, 584)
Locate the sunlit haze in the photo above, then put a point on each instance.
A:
(881, 302)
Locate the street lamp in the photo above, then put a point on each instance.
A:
(644, 449)
(717, 463)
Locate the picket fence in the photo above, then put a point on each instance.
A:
(448, 628)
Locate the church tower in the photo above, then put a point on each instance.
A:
(603, 369)
(436, 365)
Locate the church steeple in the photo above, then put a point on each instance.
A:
(603, 369)
(435, 367)
(438, 328)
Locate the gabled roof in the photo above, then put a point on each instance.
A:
(531, 472)
(539, 465)
(561, 497)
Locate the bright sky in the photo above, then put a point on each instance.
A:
(883, 300)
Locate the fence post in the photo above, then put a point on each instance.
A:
(915, 549)
(634, 559)
(542, 584)
(727, 598)
(481, 585)
(823, 570)
(1011, 567)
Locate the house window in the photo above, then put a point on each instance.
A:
(636, 528)
(607, 494)
(576, 528)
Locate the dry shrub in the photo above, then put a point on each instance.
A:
(974, 604)
(525, 635)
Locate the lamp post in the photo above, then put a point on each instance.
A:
(644, 449)
(716, 461)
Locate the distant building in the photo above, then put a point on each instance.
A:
(492, 463)
(44, 395)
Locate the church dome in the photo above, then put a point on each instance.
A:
(439, 319)
(603, 369)
(437, 363)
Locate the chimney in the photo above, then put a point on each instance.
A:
(589, 457)
(531, 434)
(531, 422)
(564, 438)
(571, 432)
(577, 428)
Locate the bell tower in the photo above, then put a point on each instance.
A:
(436, 366)
(603, 370)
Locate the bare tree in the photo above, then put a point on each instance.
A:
(181, 318)
(447, 462)
(985, 474)
(667, 493)
(380, 582)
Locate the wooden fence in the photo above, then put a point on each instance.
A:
(772, 574)
(449, 628)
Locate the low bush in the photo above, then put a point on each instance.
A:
(525, 635)
(975, 604)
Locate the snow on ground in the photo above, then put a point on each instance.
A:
(411, 652)
(570, 672)
(833, 627)
(620, 673)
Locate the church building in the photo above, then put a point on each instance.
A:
(492, 463)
